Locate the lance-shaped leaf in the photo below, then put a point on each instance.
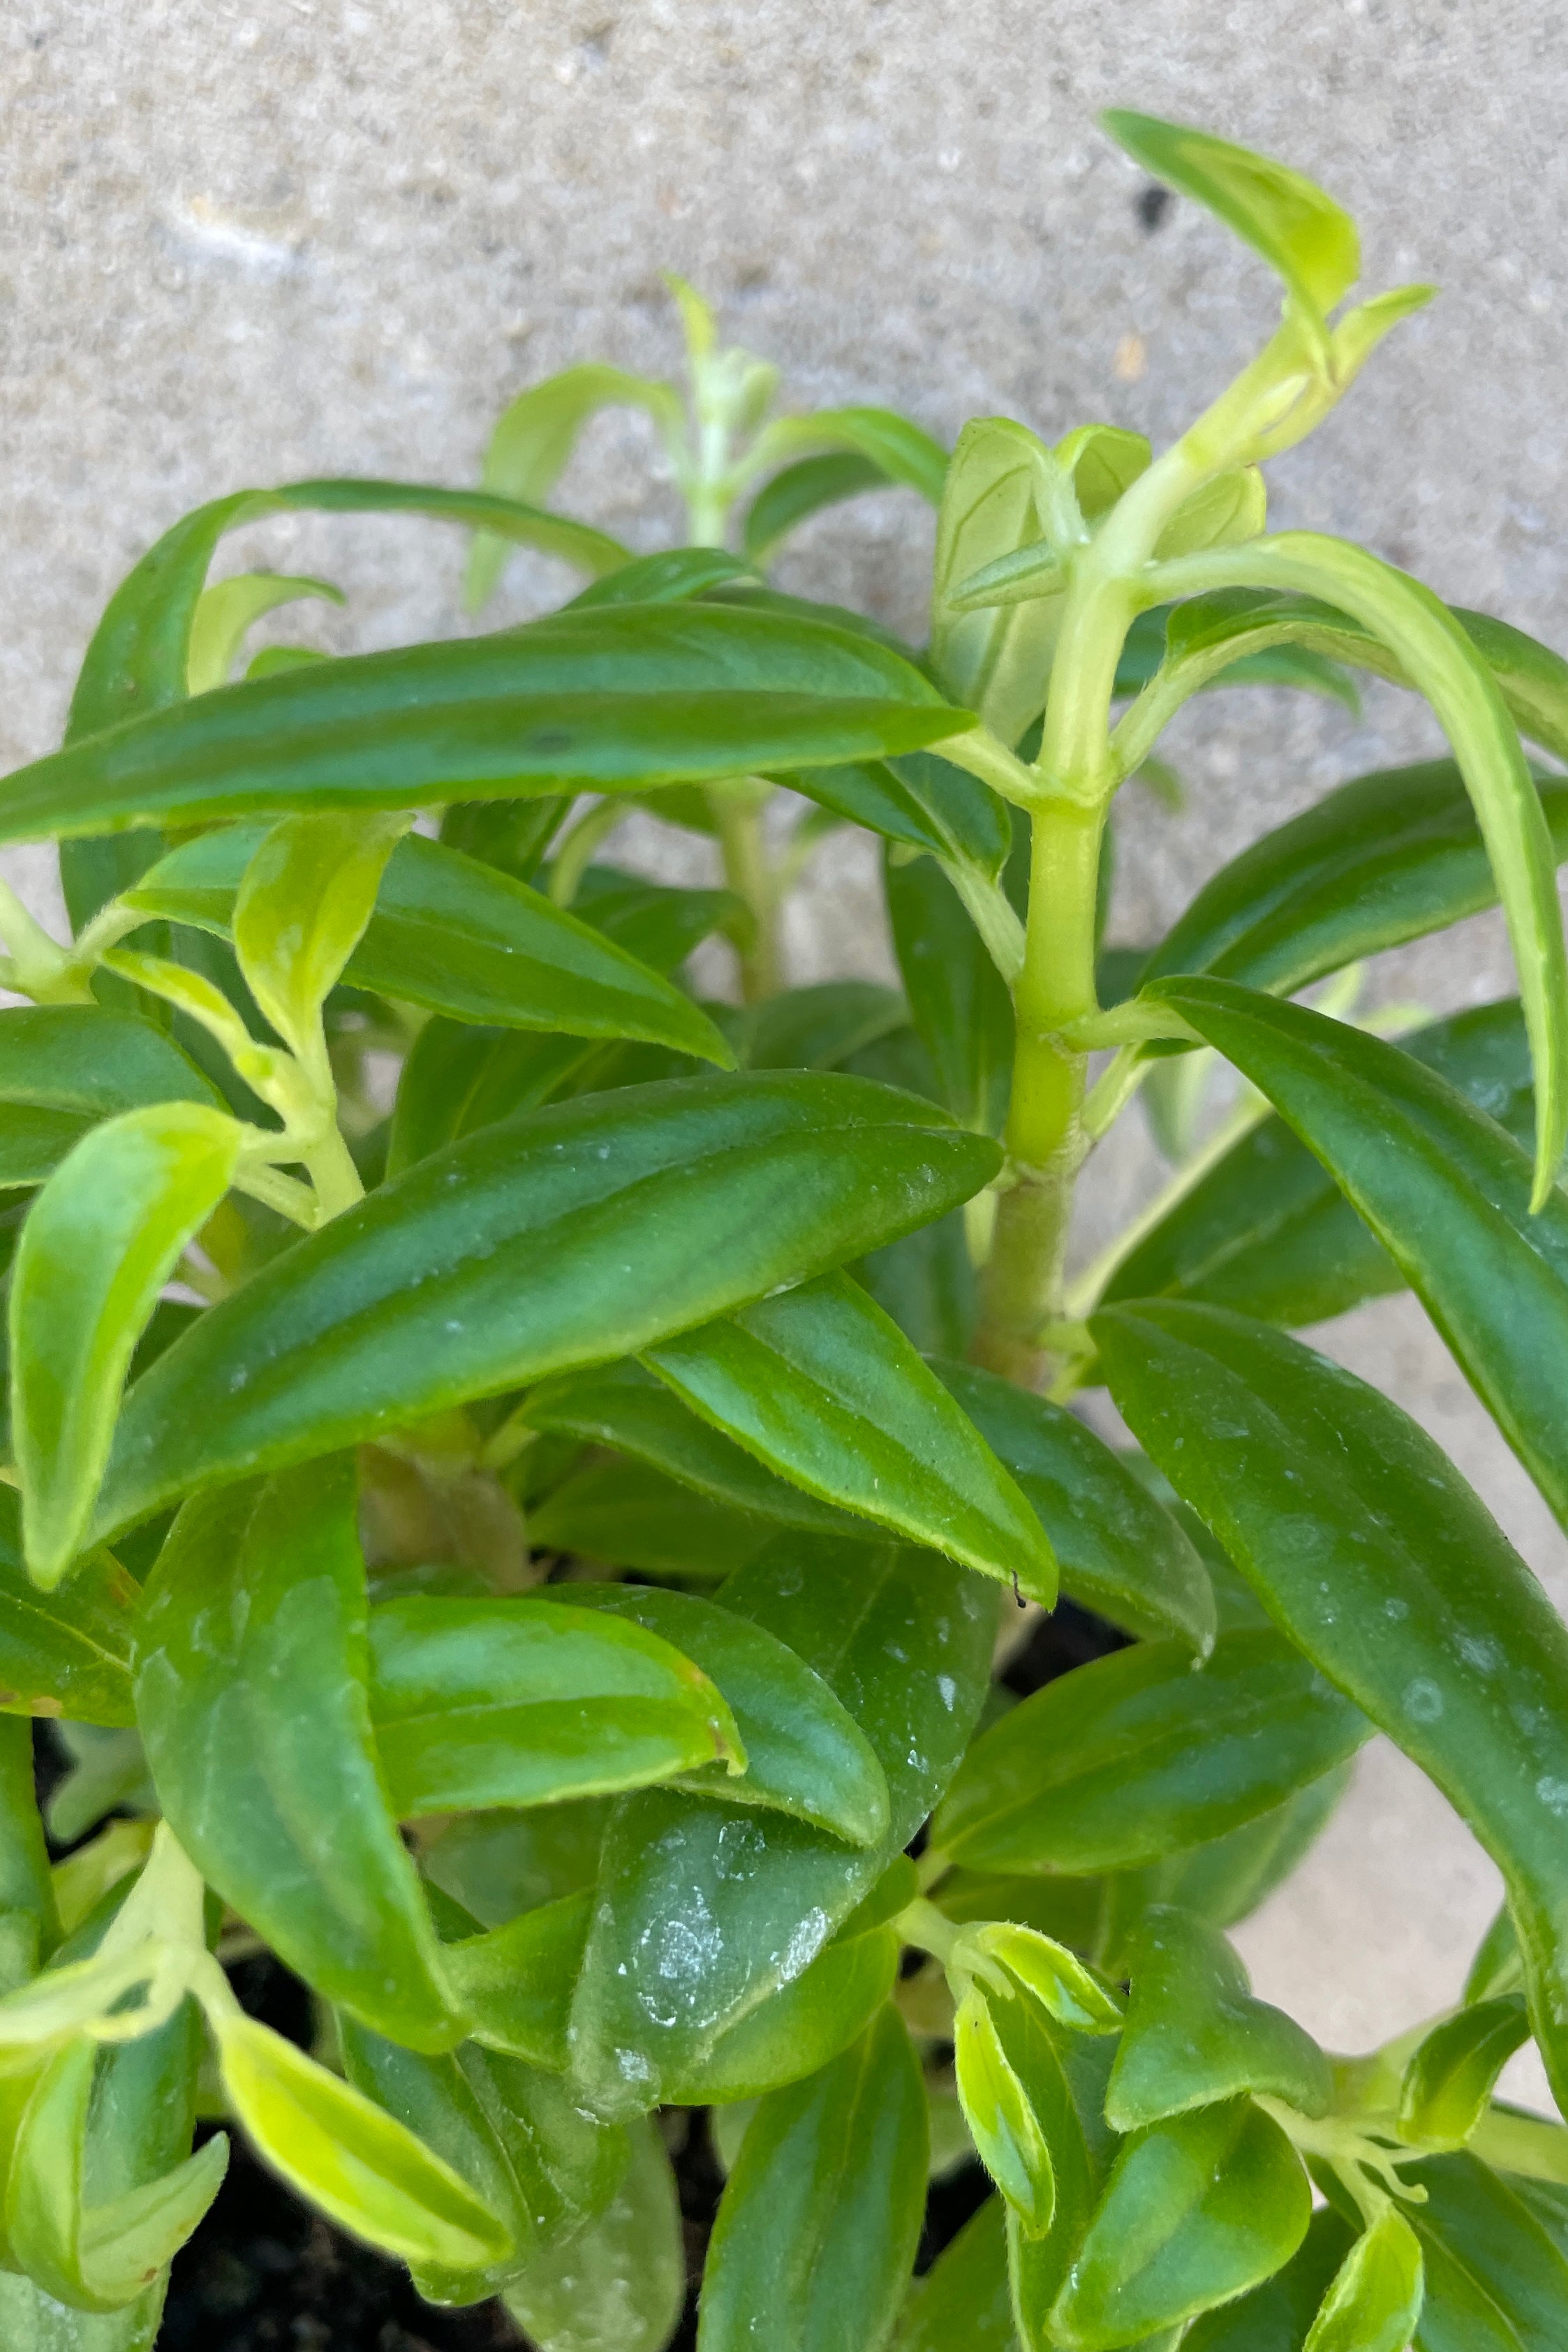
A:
(1065, 2082)
(610, 698)
(1384, 1567)
(1196, 2033)
(921, 801)
(1275, 2316)
(828, 1391)
(65, 1652)
(704, 1911)
(1269, 1232)
(304, 899)
(588, 1231)
(1197, 2209)
(1119, 1553)
(342, 2152)
(1386, 857)
(103, 2256)
(1374, 2300)
(802, 490)
(1002, 2122)
(804, 1753)
(65, 1067)
(618, 2283)
(520, 1701)
(1448, 2081)
(251, 1694)
(963, 2304)
(101, 1241)
(862, 449)
(514, 1984)
(1447, 1194)
(816, 2230)
(1067, 1991)
(458, 937)
(1138, 1756)
(1440, 660)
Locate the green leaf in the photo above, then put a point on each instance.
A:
(1065, 2081)
(704, 1911)
(589, 1231)
(102, 1239)
(804, 1753)
(1497, 1967)
(1119, 1553)
(802, 490)
(229, 608)
(1001, 485)
(1374, 2301)
(33, 2322)
(1195, 2033)
(1228, 508)
(519, 1702)
(251, 1694)
(1299, 232)
(920, 801)
(1268, 1231)
(1227, 1880)
(817, 2226)
(342, 2153)
(1394, 1581)
(28, 1923)
(1534, 679)
(1445, 1191)
(820, 1028)
(1197, 2209)
(1002, 2122)
(514, 1984)
(1139, 1755)
(512, 836)
(1496, 2281)
(304, 899)
(1449, 2080)
(958, 999)
(801, 2027)
(624, 1515)
(456, 936)
(1386, 857)
(828, 1391)
(963, 2304)
(903, 450)
(673, 576)
(613, 698)
(65, 1652)
(1275, 2316)
(64, 1067)
(617, 2284)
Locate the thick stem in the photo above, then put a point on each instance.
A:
(747, 872)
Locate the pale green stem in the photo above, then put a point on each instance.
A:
(746, 872)
(575, 850)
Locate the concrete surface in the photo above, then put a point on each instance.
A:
(263, 238)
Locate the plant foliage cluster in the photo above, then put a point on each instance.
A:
(537, 1561)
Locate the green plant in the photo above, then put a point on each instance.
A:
(548, 1603)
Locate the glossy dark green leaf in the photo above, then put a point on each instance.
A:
(816, 2230)
(919, 801)
(461, 939)
(958, 1001)
(511, 836)
(1445, 1191)
(1137, 1754)
(1496, 2281)
(588, 1232)
(704, 1910)
(102, 1239)
(1197, 2209)
(64, 1067)
(520, 1701)
(626, 1515)
(1195, 2031)
(1385, 858)
(1268, 1230)
(499, 1865)
(1385, 1568)
(826, 1390)
(279, 1800)
(1275, 2316)
(612, 698)
(65, 1652)
(1119, 1552)
(1450, 2078)
(804, 1753)
(820, 1028)
(963, 2304)
(618, 2283)
(801, 2027)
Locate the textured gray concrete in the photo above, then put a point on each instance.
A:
(263, 238)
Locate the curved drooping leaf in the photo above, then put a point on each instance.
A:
(252, 1694)
(1445, 1191)
(921, 801)
(1269, 1233)
(802, 490)
(102, 1239)
(566, 1252)
(67, 1652)
(1451, 2075)
(65, 1067)
(826, 1390)
(703, 1911)
(528, 1702)
(618, 2283)
(804, 1753)
(613, 698)
(816, 2230)
(1367, 1544)
(1385, 858)
(1140, 1755)
(1118, 1550)
(458, 937)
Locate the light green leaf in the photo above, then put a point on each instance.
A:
(617, 2284)
(1195, 2033)
(1002, 2122)
(303, 903)
(1000, 496)
(229, 608)
(65, 1652)
(1496, 2280)
(1367, 1545)
(1069, 1993)
(801, 2027)
(1449, 2080)
(101, 1240)
(64, 1067)
(1374, 2301)
(1275, 2316)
